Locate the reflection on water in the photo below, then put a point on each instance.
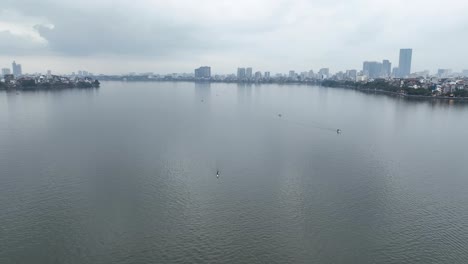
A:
(244, 93)
(203, 90)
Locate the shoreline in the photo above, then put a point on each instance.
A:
(463, 99)
(309, 84)
(401, 94)
(413, 96)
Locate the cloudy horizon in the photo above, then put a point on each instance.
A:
(160, 36)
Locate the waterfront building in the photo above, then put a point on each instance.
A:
(386, 68)
(9, 78)
(267, 75)
(240, 73)
(203, 72)
(404, 66)
(248, 73)
(361, 78)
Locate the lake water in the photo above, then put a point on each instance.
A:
(127, 174)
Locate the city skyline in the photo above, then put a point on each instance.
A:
(370, 69)
(160, 36)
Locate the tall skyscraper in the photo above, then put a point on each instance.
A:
(267, 74)
(240, 73)
(17, 71)
(404, 66)
(13, 67)
(386, 68)
(248, 73)
(203, 72)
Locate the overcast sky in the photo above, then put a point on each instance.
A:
(117, 36)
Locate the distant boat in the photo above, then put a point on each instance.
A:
(217, 174)
(280, 115)
(338, 131)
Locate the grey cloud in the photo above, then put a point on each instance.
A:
(81, 35)
(305, 33)
(89, 31)
(11, 44)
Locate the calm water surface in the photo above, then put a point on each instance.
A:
(127, 174)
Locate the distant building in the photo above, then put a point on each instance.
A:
(258, 75)
(311, 74)
(395, 72)
(386, 68)
(424, 73)
(351, 74)
(465, 73)
(240, 73)
(17, 70)
(372, 69)
(203, 72)
(324, 73)
(404, 66)
(361, 78)
(5, 71)
(267, 74)
(340, 75)
(9, 78)
(444, 73)
(292, 74)
(248, 73)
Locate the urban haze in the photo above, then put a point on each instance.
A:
(233, 131)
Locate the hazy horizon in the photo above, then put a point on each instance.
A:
(114, 37)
